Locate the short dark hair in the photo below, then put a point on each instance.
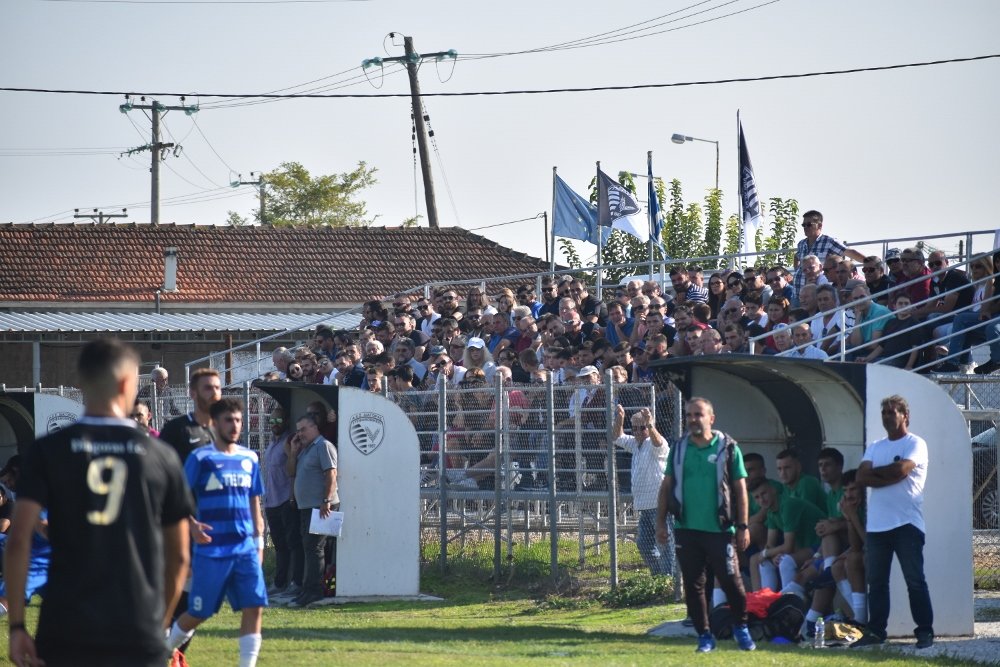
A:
(757, 483)
(225, 406)
(788, 453)
(849, 477)
(101, 359)
(753, 456)
(812, 214)
(830, 453)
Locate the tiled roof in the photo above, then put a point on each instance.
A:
(92, 262)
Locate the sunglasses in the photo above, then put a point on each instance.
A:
(807, 225)
(274, 421)
(936, 264)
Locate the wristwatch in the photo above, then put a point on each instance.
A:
(741, 526)
(328, 501)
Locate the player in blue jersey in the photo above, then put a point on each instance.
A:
(226, 483)
(38, 565)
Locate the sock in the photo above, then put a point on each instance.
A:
(787, 567)
(718, 597)
(769, 576)
(844, 586)
(177, 637)
(859, 605)
(249, 649)
(795, 589)
(828, 562)
(812, 615)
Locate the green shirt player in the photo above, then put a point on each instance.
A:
(791, 537)
(757, 469)
(797, 485)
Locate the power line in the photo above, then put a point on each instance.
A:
(204, 2)
(501, 224)
(543, 91)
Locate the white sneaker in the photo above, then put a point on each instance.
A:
(967, 369)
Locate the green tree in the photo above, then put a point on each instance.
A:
(713, 223)
(234, 219)
(733, 228)
(295, 197)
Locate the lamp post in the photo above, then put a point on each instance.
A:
(681, 138)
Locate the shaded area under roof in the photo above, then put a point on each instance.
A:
(112, 322)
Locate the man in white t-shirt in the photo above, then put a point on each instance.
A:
(895, 468)
(649, 452)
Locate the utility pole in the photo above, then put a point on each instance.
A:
(259, 183)
(100, 216)
(156, 148)
(412, 60)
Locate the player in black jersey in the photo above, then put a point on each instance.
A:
(118, 508)
(191, 431)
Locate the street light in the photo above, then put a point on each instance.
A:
(681, 138)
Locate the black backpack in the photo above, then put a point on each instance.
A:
(721, 621)
(785, 617)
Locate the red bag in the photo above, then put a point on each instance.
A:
(758, 602)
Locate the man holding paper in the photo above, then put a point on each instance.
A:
(314, 459)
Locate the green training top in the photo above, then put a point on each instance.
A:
(701, 494)
(808, 488)
(799, 517)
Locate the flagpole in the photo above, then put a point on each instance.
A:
(600, 235)
(552, 241)
(651, 189)
(739, 189)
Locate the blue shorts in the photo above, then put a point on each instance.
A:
(38, 576)
(239, 578)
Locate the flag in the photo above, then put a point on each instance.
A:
(749, 204)
(655, 214)
(618, 209)
(573, 217)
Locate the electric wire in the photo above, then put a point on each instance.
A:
(538, 91)
(179, 147)
(501, 224)
(444, 174)
(198, 127)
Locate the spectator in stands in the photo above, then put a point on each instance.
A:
(475, 355)
(811, 272)
(831, 264)
(279, 361)
(349, 374)
(406, 328)
(711, 342)
(696, 291)
(894, 264)
(777, 313)
(619, 327)
(735, 286)
(940, 313)
(913, 269)
(826, 330)
(164, 393)
(877, 281)
(754, 310)
(456, 349)
(404, 357)
(681, 284)
(505, 303)
(428, 316)
(441, 369)
(449, 304)
(777, 280)
(782, 337)
(736, 339)
(982, 305)
(807, 299)
(326, 369)
(819, 244)
(476, 299)
(870, 319)
(755, 280)
(325, 342)
(502, 334)
(900, 336)
(716, 293)
(294, 373)
(802, 341)
(591, 308)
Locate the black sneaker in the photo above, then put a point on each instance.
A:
(925, 639)
(868, 639)
(986, 369)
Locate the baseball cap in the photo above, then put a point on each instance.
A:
(477, 342)
(893, 253)
(587, 370)
(438, 350)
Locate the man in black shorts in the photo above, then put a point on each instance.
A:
(118, 509)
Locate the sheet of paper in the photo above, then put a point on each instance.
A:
(329, 526)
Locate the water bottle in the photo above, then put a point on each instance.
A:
(819, 639)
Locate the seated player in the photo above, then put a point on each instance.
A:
(797, 485)
(756, 469)
(791, 537)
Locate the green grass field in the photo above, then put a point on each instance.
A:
(523, 621)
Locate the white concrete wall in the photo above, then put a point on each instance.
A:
(378, 550)
(947, 499)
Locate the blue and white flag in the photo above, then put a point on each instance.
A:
(573, 217)
(749, 203)
(618, 209)
(655, 214)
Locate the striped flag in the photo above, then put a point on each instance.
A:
(618, 209)
(749, 203)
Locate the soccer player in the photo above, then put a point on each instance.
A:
(117, 508)
(188, 432)
(225, 479)
(38, 567)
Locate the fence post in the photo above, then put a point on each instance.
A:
(246, 413)
(258, 360)
(442, 462)
(498, 413)
(678, 434)
(610, 414)
(842, 316)
(550, 398)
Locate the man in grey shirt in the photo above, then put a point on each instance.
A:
(313, 459)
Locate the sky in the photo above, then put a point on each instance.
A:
(901, 153)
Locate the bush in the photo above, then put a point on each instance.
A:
(640, 589)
